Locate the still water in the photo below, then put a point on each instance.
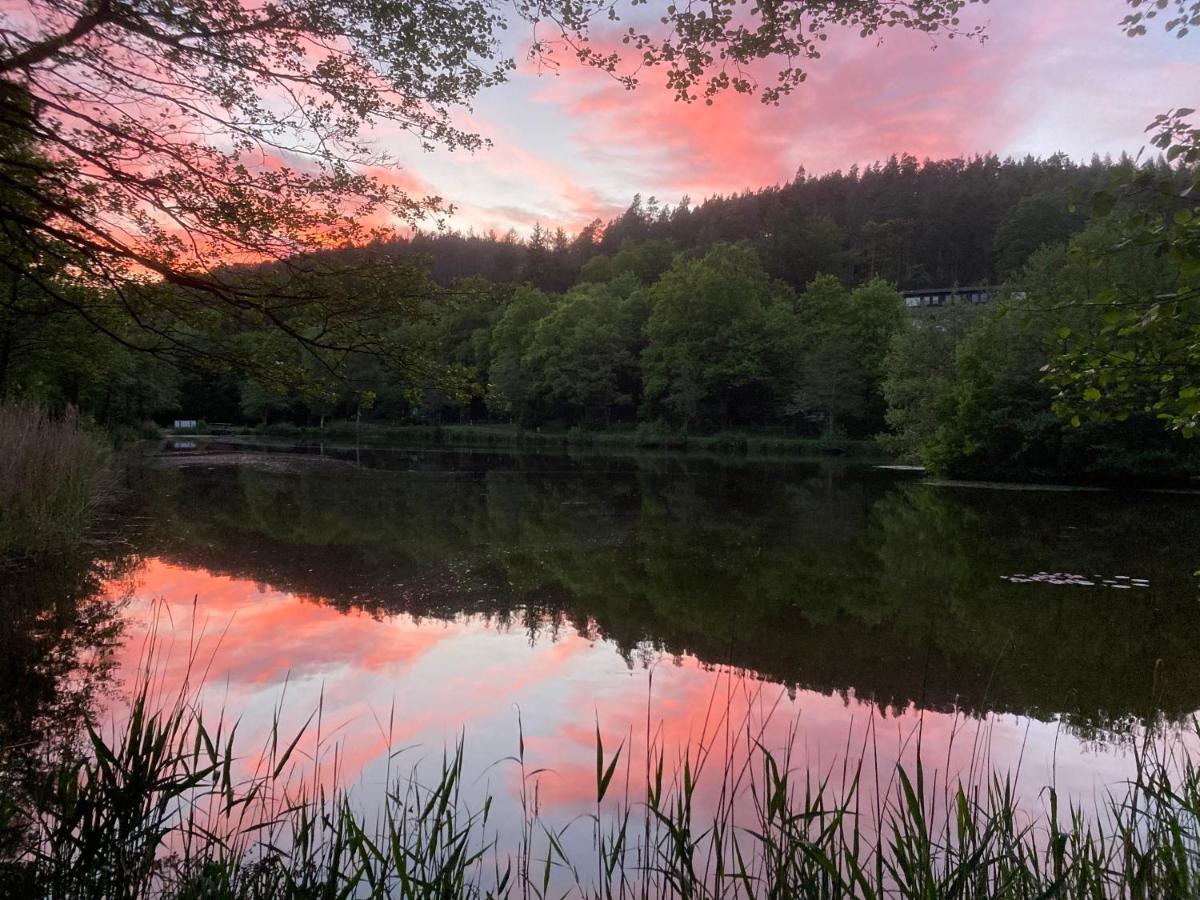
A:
(416, 597)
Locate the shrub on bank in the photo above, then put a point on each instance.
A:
(53, 477)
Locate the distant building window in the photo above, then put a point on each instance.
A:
(912, 301)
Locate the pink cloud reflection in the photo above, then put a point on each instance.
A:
(391, 682)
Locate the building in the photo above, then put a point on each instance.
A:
(932, 298)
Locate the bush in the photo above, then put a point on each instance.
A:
(279, 429)
(580, 436)
(726, 442)
(53, 477)
(657, 434)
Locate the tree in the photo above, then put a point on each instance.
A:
(721, 340)
(919, 373)
(799, 248)
(844, 338)
(583, 355)
(1036, 221)
(1146, 357)
(646, 260)
(969, 398)
(508, 390)
(829, 381)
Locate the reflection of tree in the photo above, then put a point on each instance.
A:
(838, 583)
(1060, 647)
(57, 631)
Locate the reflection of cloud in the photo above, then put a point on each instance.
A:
(268, 634)
(249, 640)
(386, 683)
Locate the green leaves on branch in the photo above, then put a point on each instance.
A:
(1143, 268)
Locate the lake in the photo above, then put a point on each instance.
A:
(416, 597)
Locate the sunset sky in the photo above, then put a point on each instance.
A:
(1054, 75)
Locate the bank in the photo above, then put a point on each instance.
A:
(643, 437)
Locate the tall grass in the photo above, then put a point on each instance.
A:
(53, 476)
(159, 810)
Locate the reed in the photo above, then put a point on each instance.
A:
(158, 810)
(53, 477)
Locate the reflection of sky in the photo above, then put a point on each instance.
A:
(434, 681)
(1051, 77)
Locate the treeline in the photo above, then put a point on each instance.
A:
(659, 338)
(917, 224)
(777, 311)
(666, 340)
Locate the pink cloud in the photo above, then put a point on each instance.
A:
(1051, 77)
(861, 104)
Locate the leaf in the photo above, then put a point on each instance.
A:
(604, 776)
(1091, 394)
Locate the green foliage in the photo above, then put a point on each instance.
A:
(1036, 221)
(721, 341)
(583, 354)
(305, 334)
(1141, 271)
(845, 335)
(645, 260)
(239, 95)
(549, 353)
(509, 381)
(968, 393)
(801, 247)
(920, 373)
(995, 415)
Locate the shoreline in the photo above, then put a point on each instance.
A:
(745, 444)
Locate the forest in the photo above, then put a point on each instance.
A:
(776, 311)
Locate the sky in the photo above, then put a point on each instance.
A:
(573, 145)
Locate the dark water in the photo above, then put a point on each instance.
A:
(446, 590)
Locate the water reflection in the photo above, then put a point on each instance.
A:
(424, 593)
(60, 631)
(394, 690)
(813, 577)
